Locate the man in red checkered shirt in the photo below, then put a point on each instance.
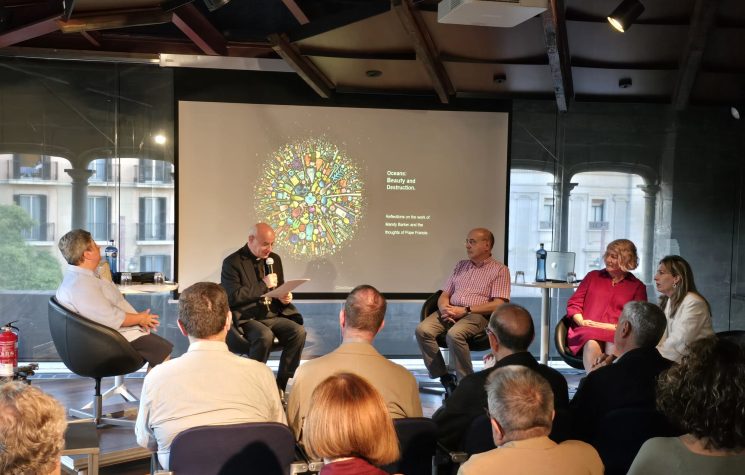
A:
(477, 286)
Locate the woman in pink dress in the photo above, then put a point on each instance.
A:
(594, 308)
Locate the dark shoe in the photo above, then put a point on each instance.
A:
(449, 382)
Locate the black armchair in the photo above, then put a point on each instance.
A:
(560, 339)
(93, 350)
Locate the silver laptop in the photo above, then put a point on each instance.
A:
(558, 265)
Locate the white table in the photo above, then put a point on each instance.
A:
(546, 309)
(148, 288)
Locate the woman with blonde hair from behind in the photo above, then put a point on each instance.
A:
(349, 427)
(32, 431)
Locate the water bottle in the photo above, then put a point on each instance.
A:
(540, 267)
(111, 253)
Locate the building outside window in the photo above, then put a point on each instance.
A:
(32, 167)
(102, 170)
(154, 171)
(152, 226)
(156, 263)
(547, 214)
(99, 218)
(36, 207)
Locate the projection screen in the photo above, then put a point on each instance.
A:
(357, 195)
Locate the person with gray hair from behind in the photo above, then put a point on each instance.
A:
(521, 410)
(631, 380)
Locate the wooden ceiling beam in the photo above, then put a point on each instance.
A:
(426, 51)
(30, 31)
(302, 65)
(92, 37)
(198, 29)
(114, 20)
(702, 22)
(557, 50)
(296, 11)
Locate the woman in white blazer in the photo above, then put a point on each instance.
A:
(687, 311)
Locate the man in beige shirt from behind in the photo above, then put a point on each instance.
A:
(521, 409)
(361, 319)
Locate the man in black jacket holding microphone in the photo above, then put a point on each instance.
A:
(246, 275)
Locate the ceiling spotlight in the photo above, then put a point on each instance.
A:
(160, 139)
(624, 83)
(625, 14)
(213, 5)
(373, 73)
(499, 78)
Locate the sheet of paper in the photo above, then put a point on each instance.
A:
(285, 288)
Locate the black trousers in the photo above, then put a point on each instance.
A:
(260, 335)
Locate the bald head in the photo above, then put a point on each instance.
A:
(261, 240)
(513, 327)
(483, 233)
(365, 309)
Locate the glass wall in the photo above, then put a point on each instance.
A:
(86, 145)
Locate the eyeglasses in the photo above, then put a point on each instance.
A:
(473, 241)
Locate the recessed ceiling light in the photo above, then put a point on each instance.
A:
(624, 83)
(499, 78)
(373, 73)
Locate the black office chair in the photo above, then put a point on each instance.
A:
(622, 432)
(93, 350)
(265, 448)
(478, 342)
(238, 344)
(417, 441)
(560, 341)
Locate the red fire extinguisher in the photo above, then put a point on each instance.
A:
(8, 350)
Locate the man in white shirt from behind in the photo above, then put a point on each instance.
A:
(185, 392)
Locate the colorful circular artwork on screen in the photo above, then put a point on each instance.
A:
(312, 194)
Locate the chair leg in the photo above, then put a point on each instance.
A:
(119, 388)
(98, 416)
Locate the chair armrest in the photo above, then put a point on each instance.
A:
(298, 467)
(445, 455)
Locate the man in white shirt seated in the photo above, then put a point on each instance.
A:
(521, 409)
(84, 292)
(207, 385)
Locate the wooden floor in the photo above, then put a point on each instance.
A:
(73, 391)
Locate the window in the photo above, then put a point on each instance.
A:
(597, 215)
(156, 263)
(152, 226)
(32, 167)
(154, 171)
(101, 170)
(547, 214)
(99, 218)
(36, 207)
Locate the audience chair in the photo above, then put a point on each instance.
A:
(478, 342)
(93, 350)
(735, 336)
(261, 448)
(620, 434)
(560, 341)
(418, 442)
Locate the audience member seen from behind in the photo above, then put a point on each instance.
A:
(32, 431)
(349, 427)
(361, 318)
(84, 292)
(687, 311)
(207, 385)
(511, 332)
(521, 409)
(594, 308)
(705, 395)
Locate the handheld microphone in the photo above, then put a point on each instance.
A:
(270, 264)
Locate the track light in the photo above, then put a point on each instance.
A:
(625, 14)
